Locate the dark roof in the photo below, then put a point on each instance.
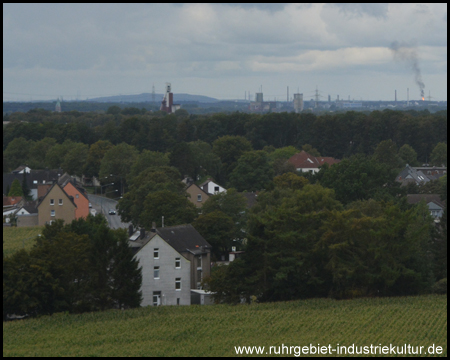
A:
(20, 168)
(30, 206)
(184, 238)
(417, 175)
(415, 198)
(39, 175)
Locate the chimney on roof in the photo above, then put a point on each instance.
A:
(130, 230)
(153, 229)
(142, 233)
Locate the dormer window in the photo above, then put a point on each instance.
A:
(216, 189)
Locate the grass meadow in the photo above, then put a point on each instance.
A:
(216, 330)
(16, 238)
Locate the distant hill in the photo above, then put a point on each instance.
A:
(147, 97)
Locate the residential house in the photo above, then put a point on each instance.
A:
(411, 175)
(56, 204)
(433, 201)
(21, 169)
(211, 187)
(174, 260)
(432, 172)
(197, 195)
(308, 163)
(10, 206)
(79, 197)
(27, 215)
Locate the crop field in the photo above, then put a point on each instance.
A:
(216, 330)
(16, 238)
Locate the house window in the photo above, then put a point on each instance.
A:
(76, 195)
(177, 263)
(216, 189)
(52, 212)
(177, 283)
(199, 262)
(199, 197)
(156, 253)
(52, 201)
(60, 202)
(35, 181)
(156, 272)
(156, 298)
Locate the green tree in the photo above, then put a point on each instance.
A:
(39, 151)
(147, 159)
(310, 150)
(205, 161)
(175, 208)
(218, 229)
(113, 110)
(75, 159)
(290, 181)
(18, 151)
(56, 154)
(359, 178)
(280, 257)
(283, 153)
(25, 189)
(16, 188)
(231, 204)
(182, 158)
(229, 149)
(439, 155)
(386, 153)
(118, 161)
(149, 180)
(95, 156)
(253, 172)
(407, 155)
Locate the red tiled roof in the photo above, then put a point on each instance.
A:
(11, 200)
(303, 160)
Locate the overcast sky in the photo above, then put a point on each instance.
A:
(223, 50)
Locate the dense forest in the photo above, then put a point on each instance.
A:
(339, 135)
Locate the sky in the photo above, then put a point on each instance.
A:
(226, 51)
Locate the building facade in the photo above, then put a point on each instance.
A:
(56, 204)
(165, 274)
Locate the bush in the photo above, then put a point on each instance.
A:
(440, 287)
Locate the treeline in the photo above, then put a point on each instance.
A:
(301, 242)
(78, 267)
(337, 135)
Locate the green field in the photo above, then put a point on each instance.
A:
(16, 238)
(216, 330)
